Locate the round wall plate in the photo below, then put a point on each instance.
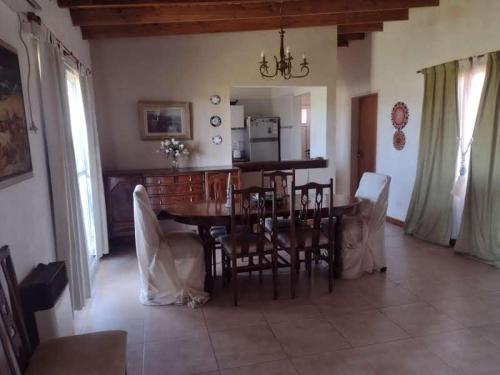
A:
(215, 121)
(399, 140)
(215, 99)
(217, 140)
(400, 115)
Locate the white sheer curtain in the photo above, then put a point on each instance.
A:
(471, 73)
(99, 204)
(70, 240)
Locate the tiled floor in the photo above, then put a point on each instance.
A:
(434, 312)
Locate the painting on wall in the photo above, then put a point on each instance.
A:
(160, 120)
(15, 157)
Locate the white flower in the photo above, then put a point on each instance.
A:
(185, 151)
(181, 146)
(166, 142)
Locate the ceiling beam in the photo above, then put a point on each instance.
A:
(360, 28)
(95, 32)
(244, 10)
(133, 3)
(353, 36)
(342, 43)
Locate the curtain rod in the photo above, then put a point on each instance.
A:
(470, 57)
(32, 17)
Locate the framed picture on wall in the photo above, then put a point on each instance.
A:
(159, 120)
(15, 157)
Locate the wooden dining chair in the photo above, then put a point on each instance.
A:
(94, 353)
(282, 181)
(247, 239)
(309, 205)
(216, 191)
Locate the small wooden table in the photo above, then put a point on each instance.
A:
(208, 214)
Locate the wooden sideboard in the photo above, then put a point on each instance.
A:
(164, 187)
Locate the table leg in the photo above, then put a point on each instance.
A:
(204, 234)
(337, 246)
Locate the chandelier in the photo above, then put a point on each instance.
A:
(284, 64)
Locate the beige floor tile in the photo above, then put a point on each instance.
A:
(245, 346)
(391, 296)
(342, 302)
(404, 357)
(135, 358)
(283, 367)
(490, 332)
(308, 336)
(345, 362)
(173, 322)
(366, 328)
(288, 310)
(421, 319)
(179, 357)
(226, 316)
(465, 351)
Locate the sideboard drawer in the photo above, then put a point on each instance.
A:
(191, 178)
(159, 180)
(162, 201)
(175, 189)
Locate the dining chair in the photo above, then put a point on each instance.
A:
(216, 191)
(363, 248)
(93, 353)
(309, 205)
(247, 238)
(282, 181)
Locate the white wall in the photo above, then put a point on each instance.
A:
(456, 29)
(25, 220)
(353, 79)
(192, 68)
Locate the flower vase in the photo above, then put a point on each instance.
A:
(174, 163)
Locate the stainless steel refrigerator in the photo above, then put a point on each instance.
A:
(264, 138)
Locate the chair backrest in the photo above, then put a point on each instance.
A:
(249, 210)
(373, 186)
(13, 334)
(216, 185)
(281, 180)
(308, 205)
(148, 232)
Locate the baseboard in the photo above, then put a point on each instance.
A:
(394, 221)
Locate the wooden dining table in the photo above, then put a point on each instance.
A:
(208, 214)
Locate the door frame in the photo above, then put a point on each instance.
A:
(355, 139)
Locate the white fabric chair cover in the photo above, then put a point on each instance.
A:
(363, 233)
(172, 265)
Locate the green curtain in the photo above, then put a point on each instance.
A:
(480, 231)
(429, 216)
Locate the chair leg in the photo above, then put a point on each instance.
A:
(308, 263)
(214, 257)
(223, 264)
(260, 268)
(235, 280)
(330, 269)
(293, 275)
(275, 273)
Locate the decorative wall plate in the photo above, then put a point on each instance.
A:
(215, 99)
(399, 140)
(215, 121)
(217, 140)
(400, 115)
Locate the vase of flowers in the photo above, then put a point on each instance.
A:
(174, 150)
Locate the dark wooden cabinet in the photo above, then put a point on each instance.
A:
(164, 187)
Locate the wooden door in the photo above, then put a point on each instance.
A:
(364, 133)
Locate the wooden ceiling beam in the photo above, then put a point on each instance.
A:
(244, 10)
(124, 31)
(353, 36)
(360, 28)
(134, 3)
(342, 43)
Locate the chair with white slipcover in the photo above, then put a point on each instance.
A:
(363, 249)
(171, 265)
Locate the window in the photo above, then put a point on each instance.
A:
(304, 116)
(81, 149)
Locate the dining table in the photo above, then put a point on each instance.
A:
(207, 214)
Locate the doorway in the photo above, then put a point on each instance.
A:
(305, 126)
(363, 137)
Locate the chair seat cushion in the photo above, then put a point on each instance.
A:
(245, 244)
(216, 232)
(283, 224)
(90, 354)
(303, 237)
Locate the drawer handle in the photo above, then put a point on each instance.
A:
(190, 188)
(159, 182)
(190, 178)
(161, 202)
(191, 199)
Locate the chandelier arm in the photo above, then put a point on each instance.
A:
(306, 68)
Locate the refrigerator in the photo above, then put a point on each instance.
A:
(264, 138)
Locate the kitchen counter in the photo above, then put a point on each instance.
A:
(281, 165)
